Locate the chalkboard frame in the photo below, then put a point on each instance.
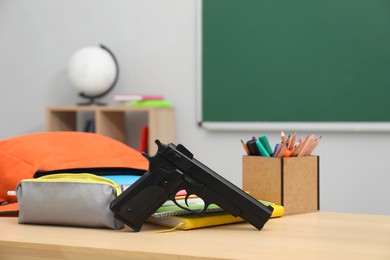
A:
(269, 126)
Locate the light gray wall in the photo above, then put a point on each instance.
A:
(155, 43)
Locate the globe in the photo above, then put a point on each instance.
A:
(93, 71)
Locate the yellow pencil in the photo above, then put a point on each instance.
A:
(245, 147)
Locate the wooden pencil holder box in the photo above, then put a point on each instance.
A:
(290, 182)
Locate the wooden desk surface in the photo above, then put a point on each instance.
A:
(319, 235)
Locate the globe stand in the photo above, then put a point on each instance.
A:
(92, 101)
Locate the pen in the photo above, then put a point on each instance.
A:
(246, 149)
(275, 149)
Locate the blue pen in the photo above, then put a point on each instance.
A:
(276, 148)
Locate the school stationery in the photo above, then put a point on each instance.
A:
(288, 147)
(69, 200)
(136, 97)
(253, 148)
(188, 222)
(264, 141)
(263, 151)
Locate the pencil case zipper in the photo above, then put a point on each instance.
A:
(92, 170)
(78, 178)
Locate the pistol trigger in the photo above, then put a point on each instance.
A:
(186, 199)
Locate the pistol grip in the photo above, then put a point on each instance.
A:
(138, 208)
(144, 197)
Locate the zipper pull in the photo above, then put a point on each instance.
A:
(11, 193)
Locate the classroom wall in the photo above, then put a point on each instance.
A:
(154, 41)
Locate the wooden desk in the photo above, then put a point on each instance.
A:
(309, 236)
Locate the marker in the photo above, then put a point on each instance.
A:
(262, 150)
(264, 141)
(253, 147)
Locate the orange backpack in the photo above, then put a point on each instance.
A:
(38, 154)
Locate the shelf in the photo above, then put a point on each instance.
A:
(111, 121)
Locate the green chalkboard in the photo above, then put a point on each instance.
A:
(295, 61)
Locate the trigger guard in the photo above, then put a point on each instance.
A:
(180, 206)
(206, 205)
(196, 212)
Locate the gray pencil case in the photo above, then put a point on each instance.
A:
(68, 199)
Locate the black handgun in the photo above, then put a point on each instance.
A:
(173, 168)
